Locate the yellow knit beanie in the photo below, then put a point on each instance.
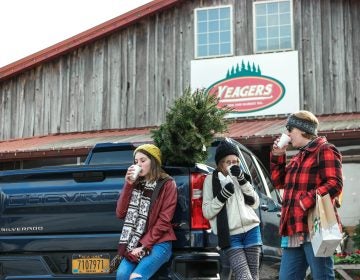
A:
(150, 149)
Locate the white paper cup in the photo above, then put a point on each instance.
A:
(228, 170)
(136, 172)
(284, 140)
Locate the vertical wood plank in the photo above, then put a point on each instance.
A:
(141, 64)
(14, 121)
(326, 55)
(241, 27)
(298, 42)
(39, 102)
(354, 79)
(6, 115)
(114, 79)
(30, 97)
(338, 54)
(188, 44)
(318, 94)
(160, 70)
(308, 59)
(71, 103)
(125, 84)
(21, 107)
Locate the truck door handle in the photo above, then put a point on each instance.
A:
(264, 207)
(92, 176)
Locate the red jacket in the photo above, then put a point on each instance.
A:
(317, 167)
(159, 228)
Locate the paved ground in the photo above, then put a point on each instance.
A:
(269, 271)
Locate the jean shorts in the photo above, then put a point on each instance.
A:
(247, 239)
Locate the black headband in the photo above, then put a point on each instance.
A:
(304, 125)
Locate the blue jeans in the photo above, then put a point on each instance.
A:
(147, 267)
(295, 261)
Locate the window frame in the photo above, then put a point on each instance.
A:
(292, 41)
(196, 32)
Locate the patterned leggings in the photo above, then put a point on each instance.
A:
(244, 262)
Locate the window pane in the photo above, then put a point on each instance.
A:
(272, 8)
(260, 9)
(214, 38)
(285, 43)
(213, 14)
(285, 31)
(202, 39)
(202, 50)
(202, 27)
(213, 49)
(273, 20)
(261, 45)
(261, 33)
(213, 26)
(225, 48)
(285, 18)
(224, 25)
(202, 15)
(225, 13)
(273, 44)
(284, 7)
(224, 36)
(261, 21)
(273, 32)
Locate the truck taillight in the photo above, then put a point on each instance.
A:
(197, 219)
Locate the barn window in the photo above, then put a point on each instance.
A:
(273, 26)
(213, 32)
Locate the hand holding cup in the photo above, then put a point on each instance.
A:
(132, 173)
(280, 144)
(136, 171)
(284, 140)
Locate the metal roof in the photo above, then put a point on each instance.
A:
(85, 37)
(250, 132)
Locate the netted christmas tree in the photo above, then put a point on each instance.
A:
(189, 128)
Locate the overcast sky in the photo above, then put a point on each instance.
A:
(28, 26)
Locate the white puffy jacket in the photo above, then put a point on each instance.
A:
(241, 216)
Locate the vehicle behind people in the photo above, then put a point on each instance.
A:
(59, 222)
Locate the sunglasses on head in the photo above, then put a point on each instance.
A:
(289, 128)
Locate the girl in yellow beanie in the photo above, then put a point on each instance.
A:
(147, 204)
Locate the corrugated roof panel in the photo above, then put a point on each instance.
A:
(249, 131)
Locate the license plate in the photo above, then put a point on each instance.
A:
(90, 263)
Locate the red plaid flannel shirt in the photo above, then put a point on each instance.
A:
(317, 167)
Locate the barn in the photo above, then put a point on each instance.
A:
(115, 82)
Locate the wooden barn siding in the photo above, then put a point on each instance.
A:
(130, 78)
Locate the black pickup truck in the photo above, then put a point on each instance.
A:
(59, 222)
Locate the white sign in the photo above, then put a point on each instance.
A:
(252, 85)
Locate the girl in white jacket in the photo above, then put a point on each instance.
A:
(229, 201)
